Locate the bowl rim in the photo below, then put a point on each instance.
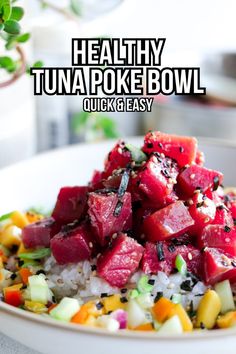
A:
(125, 334)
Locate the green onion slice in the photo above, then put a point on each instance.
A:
(181, 265)
(37, 254)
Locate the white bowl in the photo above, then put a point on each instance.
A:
(36, 182)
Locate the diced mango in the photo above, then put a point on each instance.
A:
(162, 309)
(19, 219)
(11, 236)
(208, 310)
(87, 310)
(183, 316)
(144, 327)
(36, 307)
(33, 217)
(228, 320)
(112, 303)
(13, 287)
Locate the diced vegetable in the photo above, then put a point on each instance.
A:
(145, 300)
(13, 295)
(35, 307)
(171, 326)
(108, 322)
(65, 310)
(10, 236)
(208, 310)
(19, 219)
(25, 273)
(179, 311)
(136, 315)
(162, 309)
(228, 320)
(113, 303)
(181, 265)
(37, 254)
(224, 291)
(143, 285)
(122, 317)
(39, 290)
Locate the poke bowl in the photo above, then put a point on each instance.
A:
(110, 271)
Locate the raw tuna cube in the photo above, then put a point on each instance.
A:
(230, 202)
(96, 181)
(109, 214)
(181, 148)
(158, 178)
(150, 263)
(71, 204)
(197, 177)
(72, 244)
(168, 222)
(118, 157)
(162, 256)
(219, 236)
(223, 217)
(203, 211)
(139, 215)
(200, 158)
(120, 261)
(218, 266)
(39, 233)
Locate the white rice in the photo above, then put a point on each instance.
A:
(81, 282)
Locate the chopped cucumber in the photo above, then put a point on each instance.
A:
(145, 300)
(136, 315)
(176, 298)
(143, 285)
(108, 322)
(224, 291)
(171, 326)
(66, 309)
(39, 290)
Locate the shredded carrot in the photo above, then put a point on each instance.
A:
(25, 273)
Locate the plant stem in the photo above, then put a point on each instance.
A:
(19, 72)
(59, 10)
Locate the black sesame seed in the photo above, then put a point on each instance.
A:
(93, 267)
(99, 305)
(123, 291)
(13, 276)
(171, 248)
(20, 263)
(103, 295)
(123, 300)
(216, 183)
(151, 281)
(40, 271)
(233, 263)
(160, 145)
(234, 221)
(159, 295)
(149, 145)
(181, 149)
(227, 228)
(202, 326)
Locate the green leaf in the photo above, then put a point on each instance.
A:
(76, 8)
(17, 13)
(23, 38)
(79, 121)
(1, 26)
(107, 125)
(12, 27)
(136, 153)
(38, 64)
(6, 216)
(6, 10)
(8, 64)
(37, 254)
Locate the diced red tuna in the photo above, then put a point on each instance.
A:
(168, 222)
(39, 233)
(223, 217)
(157, 179)
(181, 148)
(72, 244)
(230, 202)
(117, 158)
(216, 196)
(218, 266)
(71, 204)
(219, 236)
(109, 214)
(200, 158)
(203, 211)
(162, 256)
(96, 181)
(139, 215)
(118, 262)
(197, 177)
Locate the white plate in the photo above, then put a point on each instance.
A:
(36, 182)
